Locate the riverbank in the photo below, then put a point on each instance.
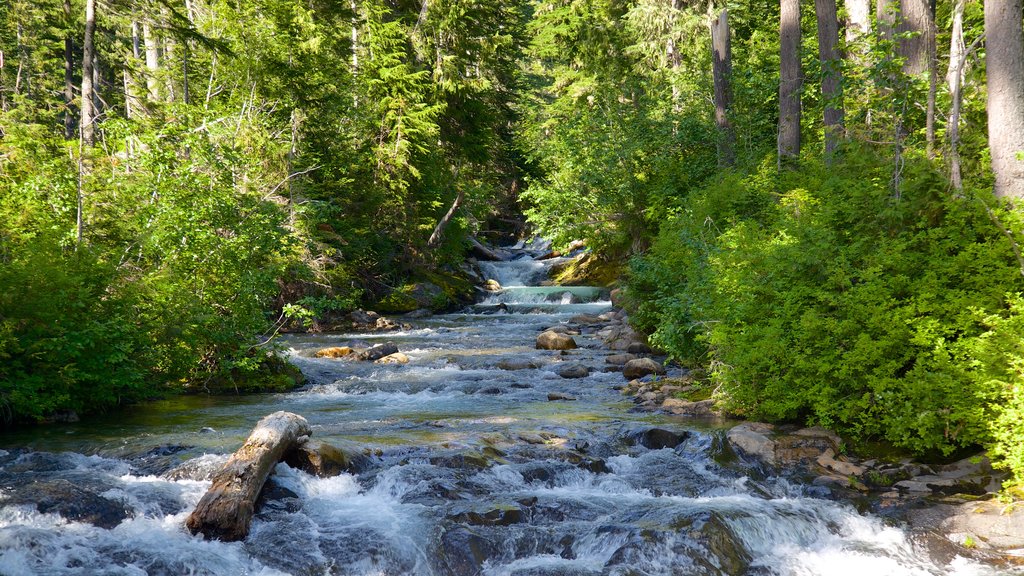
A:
(956, 507)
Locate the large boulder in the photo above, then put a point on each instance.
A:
(641, 367)
(550, 340)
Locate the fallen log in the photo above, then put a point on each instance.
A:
(227, 508)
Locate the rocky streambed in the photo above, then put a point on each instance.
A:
(475, 452)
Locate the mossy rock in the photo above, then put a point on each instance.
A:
(587, 270)
(434, 290)
(274, 374)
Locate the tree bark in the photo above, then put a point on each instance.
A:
(832, 75)
(152, 62)
(227, 508)
(70, 122)
(1004, 59)
(914, 23)
(956, 44)
(789, 81)
(721, 71)
(438, 233)
(953, 127)
(858, 19)
(88, 120)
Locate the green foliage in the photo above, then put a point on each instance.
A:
(837, 303)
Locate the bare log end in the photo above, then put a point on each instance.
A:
(227, 508)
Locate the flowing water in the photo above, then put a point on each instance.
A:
(469, 469)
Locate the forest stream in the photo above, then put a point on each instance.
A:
(467, 467)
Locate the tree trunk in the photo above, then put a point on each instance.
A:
(886, 17)
(1004, 59)
(88, 120)
(132, 99)
(227, 508)
(958, 55)
(956, 44)
(931, 54)
(721, 70)
(438, 233)
(789, 81)
(70, 122)
(914, 23)
(858, 20)
(152, 62)
(832, 75)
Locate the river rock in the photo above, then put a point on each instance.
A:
(679, 407)
(71, 501)
(563, 329)
(463, 550)
(377, 352)
(321, 459)
(990, 524)
(637, 347)
(396, 358)
(640, 367)
(585, 319)
(363, 316)
(658, 438)
(555, 396)
(573, 371)
(554, 341)
(515, 364)
(753, 439)
(492, 285)
(828, 461)
(334, 352)
(494, 515)
(616, 297)
(619, 359)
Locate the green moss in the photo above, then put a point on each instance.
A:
(588, 270)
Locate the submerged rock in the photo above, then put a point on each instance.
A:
(517, 365)
(550, 340)
(555, 396)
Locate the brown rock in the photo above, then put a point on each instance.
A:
(334, 352)
(554, 341)
(396, 358)
(641, 367)
(619, 359)
(686, 408)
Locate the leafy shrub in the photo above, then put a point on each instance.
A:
(882, 316)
